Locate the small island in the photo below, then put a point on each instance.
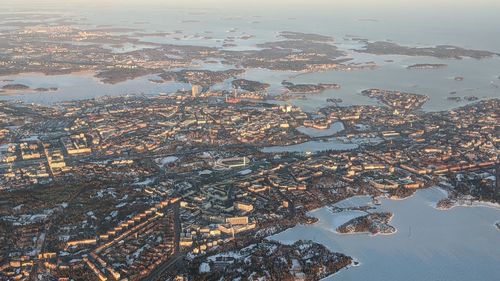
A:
(455, 99)
(15, 87)
(374, 223)
(248, 85)
(117, 75)
(229, 45)
(334, 100)
(292, 35)
(427, 66)
(471, 98)
(204, 78)
(466, 98)
(41, 89)
(445, 204)
(308, 88)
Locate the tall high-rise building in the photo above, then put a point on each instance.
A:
(195, 90)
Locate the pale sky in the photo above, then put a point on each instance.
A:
(460, 8)
(451, 4)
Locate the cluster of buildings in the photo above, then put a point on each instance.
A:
(124, 188)
(401, 102)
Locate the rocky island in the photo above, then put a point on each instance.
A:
(15, 87)
(373, 223)
(455, 99)
(293, 35)
(441, 51)
(308, 88)
(117, 75)
(334, 100)
(9, 88)
(471, 98)
(466, 98)
(248, 85)
(427, 66)
(42, 89)
(445, 203)
(204, 78)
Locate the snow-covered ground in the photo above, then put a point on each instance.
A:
(459, 244)
(166, 160)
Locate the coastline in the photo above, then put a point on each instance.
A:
(474, 204)
(336, 241)
(456, 204)
(354, 263)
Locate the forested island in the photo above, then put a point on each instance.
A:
(440, 51)
(427, 66)
(308, 88)
(373, 223)
(248, 85)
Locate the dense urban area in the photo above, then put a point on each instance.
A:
(191, 184)
(122, 188)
